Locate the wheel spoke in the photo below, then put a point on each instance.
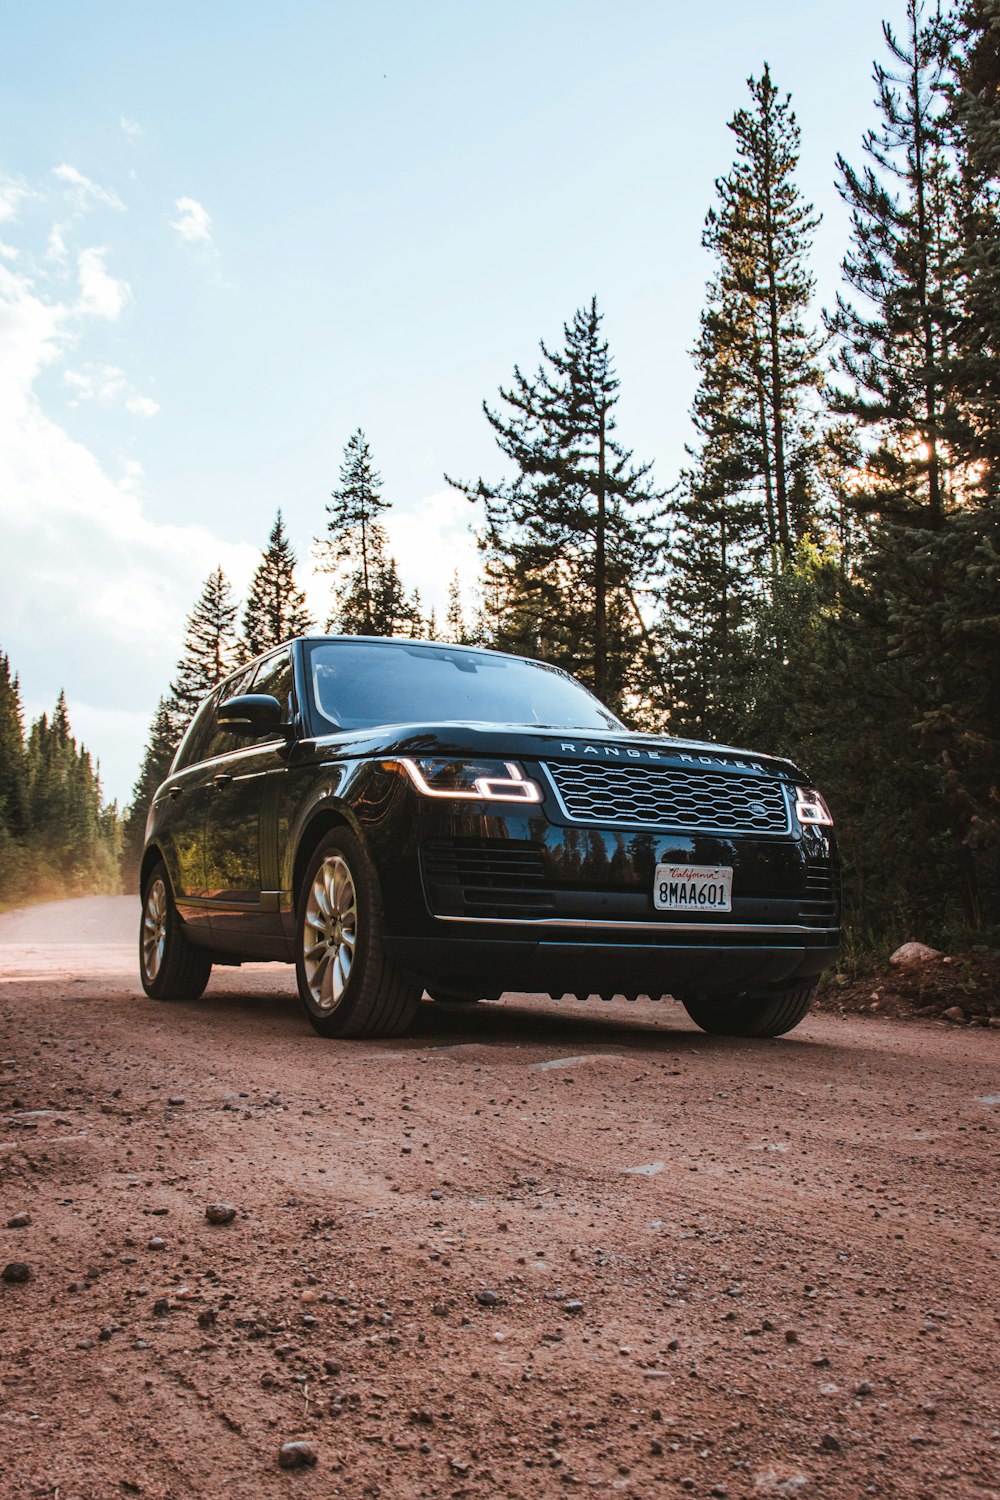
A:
(328, 993)
(329, 934)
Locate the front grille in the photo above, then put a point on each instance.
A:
(675, 797)
(485, 877)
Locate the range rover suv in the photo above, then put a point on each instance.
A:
(394, 816)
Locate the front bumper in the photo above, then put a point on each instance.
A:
(517, 901)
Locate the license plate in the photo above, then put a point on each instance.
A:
(697, 888)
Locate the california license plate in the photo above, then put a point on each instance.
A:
(696, 888)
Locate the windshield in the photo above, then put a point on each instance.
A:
(358, 684)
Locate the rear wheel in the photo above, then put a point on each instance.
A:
(751, 1015)
(171, 968)
(348, 982)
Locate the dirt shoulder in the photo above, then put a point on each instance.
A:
(532, 1248)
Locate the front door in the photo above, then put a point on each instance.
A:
(240, 829)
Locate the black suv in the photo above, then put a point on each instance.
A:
(397, 815)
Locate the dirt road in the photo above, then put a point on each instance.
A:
(533, 1249)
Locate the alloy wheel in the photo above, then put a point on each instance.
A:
(154, 929)
(330, 933)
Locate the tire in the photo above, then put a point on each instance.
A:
(348, 983)
(751, 1015)
(171, 968)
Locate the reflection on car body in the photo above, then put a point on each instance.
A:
(395, 815)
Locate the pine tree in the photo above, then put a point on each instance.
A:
(758, 357)
(211, 649)
(356, 541)
(71, 838)
(972, 122)
(276, 607)
(454, 622)
(161, 746)
(572, 534)
(894, 349)
(13, 772)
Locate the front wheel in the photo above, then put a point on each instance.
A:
(751, 1015)
(170, 967)
(349, 984)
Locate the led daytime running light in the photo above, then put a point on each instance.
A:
(810, 809)
(514, 787)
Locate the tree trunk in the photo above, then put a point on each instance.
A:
(600, 571)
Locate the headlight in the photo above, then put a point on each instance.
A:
(810, 809)
(471, 780)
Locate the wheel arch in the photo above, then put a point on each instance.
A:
(152, 856)
(324, 821)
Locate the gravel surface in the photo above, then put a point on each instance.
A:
(531, 1249)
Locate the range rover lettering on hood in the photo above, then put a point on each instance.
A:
(618, 751)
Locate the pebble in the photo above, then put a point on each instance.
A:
(863, 1388)
(487, 1298)
(19, 1221)
(954, 1013)
(574, 1305)
(16, 1271)
(176, 1099)
(829, 1443)
(161, 1307)
(437, 1195)
(296, 1456)
(220, 1213)
(156, 1243)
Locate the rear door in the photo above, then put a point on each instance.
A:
(241, 830)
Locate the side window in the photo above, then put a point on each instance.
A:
(192, 746)
(222, 741)
(274, 676)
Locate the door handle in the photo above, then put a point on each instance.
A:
(223, 778)
(174, 792)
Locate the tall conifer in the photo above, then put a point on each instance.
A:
(355, 543)
(276, 607)
(572, 533)
(894, 339)
(211, 648)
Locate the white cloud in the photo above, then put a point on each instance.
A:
(82, 191)
(93, 592)
(108, 386)
(12, 195)
(56, 248)
(436, 528)
(100, 293)
(193, 222)
(9, 252)
(131, 129)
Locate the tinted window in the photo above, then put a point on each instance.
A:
(274, 676)
(192, 746)
(222, 741)
(359, 684)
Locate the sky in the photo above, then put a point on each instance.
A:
(232, 234)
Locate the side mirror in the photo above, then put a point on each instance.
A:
(251, 713)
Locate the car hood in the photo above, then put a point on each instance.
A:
(536, 742)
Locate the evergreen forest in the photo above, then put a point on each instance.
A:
(57, 838)
(822, 580)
